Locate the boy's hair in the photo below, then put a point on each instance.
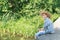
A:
(46, 13)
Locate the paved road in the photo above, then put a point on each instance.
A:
(55, 36)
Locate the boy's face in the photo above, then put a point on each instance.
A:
(44, 16)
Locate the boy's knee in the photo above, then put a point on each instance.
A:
(36, 35)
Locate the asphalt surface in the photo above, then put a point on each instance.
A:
(55, 36)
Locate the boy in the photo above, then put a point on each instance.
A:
(48, 25)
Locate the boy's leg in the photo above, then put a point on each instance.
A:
(39, 34)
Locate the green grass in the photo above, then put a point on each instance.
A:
(22, 29)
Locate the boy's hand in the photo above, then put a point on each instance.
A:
(41, 29)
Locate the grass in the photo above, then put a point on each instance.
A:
(22, 29)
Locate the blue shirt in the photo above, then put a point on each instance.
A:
(48, 26)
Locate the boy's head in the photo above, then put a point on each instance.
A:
(45, 14)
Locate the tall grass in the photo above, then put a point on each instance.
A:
(22, 28)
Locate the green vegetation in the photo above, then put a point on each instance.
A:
(20, 19)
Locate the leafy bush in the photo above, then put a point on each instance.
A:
(26, 8)
(23, 27)
(54, 17)
(20, 19)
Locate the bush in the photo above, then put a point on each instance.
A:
(20, 19)
(23, 27)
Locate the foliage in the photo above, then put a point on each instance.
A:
(20, 19)
(26, 8)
